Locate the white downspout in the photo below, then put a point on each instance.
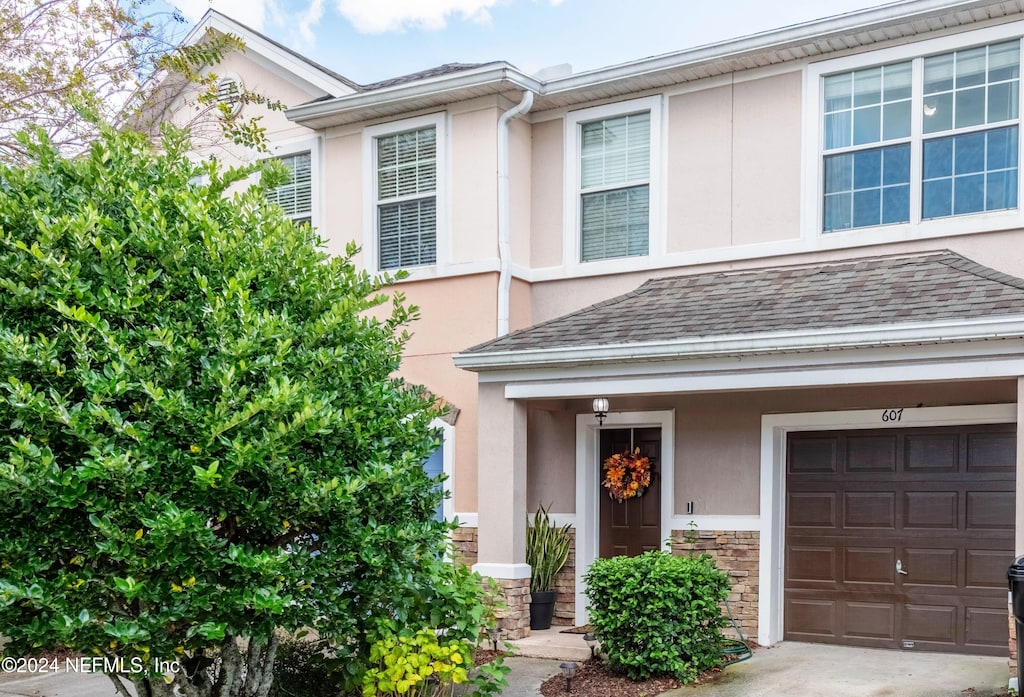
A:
(505, 212)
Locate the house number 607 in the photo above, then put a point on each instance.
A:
(892, 415)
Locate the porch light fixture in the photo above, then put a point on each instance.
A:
(568, 672)
(600, 409)
(591, 642)
(494, 633)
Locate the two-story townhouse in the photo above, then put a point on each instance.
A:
(790, 262)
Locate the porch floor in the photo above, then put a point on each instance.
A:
(552, 643)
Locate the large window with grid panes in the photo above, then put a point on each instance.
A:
(927, 137)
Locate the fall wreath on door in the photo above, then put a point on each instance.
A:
(626, 475)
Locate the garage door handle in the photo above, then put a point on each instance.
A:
(899, 568)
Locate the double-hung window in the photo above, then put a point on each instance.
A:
(406, 198)
(615, 183)
(924, 138)
(295, 196)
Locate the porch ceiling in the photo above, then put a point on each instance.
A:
(919, 299)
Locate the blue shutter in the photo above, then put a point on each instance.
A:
(434, 467)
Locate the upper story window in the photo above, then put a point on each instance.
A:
(611, 160)
(922, 138)
(615, 174)
(295, 196)
(407, 198)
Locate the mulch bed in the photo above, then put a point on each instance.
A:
(481, 656)
(595, 679)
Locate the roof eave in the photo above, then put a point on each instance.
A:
(494, 78)
(983, 329)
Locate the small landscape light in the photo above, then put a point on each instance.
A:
(568, 672)
(494, 633)
(591, 642)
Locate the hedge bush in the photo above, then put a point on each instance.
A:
(658, 614)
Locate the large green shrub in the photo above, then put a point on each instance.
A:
(658, 614)
(202, 438)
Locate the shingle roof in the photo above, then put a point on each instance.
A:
(938, 286)
(438, 71)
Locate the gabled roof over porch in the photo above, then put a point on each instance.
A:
(930, 298)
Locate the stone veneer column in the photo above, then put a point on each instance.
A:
(501, 497)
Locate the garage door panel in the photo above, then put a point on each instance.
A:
(991, 452)
(987, 627)
(814, 455)
(812, 563)
(865, 620)
(930, 567)
(986, 568)
(869, 509)
(870, 565)
(811, 618)
(931, 509)
(938, 500)
(931, 452)
(871, 453)
(931, 623)
(990, 510)
(812, 510)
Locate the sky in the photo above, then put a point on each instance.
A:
(371, 40)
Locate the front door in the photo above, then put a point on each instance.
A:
(633, 526)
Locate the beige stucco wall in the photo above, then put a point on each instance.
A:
(206, 133)
(455, 313)
(343, 185)
(766, 160)
(474, 199)
(547, 192)
(698, 172)
(718, 436)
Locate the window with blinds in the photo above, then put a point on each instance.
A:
(296, 195)
(615, 172)
(407, 199)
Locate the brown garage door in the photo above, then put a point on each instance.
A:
(900, 538)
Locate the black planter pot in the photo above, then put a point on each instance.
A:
(542, 609)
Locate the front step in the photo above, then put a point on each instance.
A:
(551, 643)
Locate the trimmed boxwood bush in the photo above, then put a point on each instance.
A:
(658, 614)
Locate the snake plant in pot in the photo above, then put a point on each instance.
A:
(547, 549)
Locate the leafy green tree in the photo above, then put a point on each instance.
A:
(203, 438)
(113, 61)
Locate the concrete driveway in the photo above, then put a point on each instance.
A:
(792, 669)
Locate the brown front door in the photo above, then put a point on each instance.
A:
(900, 538)
(634, 526)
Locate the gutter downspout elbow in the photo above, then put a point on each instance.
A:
(505, 212)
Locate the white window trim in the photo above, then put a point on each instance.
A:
(295, 146)
(572, 242)
(441, 193)
(447, 465)
(812, 193)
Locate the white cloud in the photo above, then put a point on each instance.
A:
(378, 16)
(308, 20)
(251, 13)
